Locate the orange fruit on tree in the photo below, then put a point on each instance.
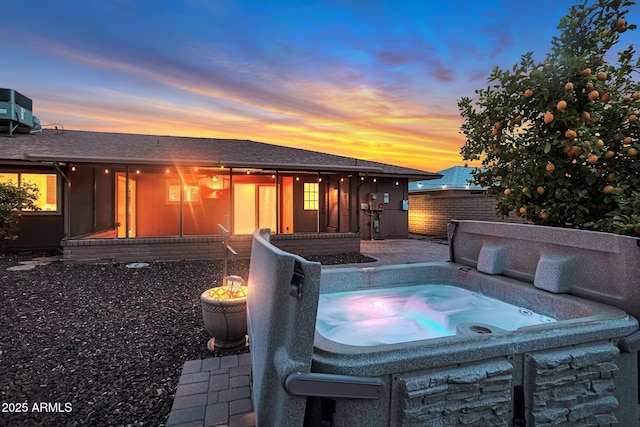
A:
(593, 95)
(586, 72)
(494, 132)
(575, 151)
(611, 177)
(570, 134)
(635, 96)
(593, 159)
(522, 210)
(544, 215)
(609, 155)
(507, 191)
(621, 25)
(548, 118)
(608, 189)
(550, 167)
(633, 118)
(600, 143)
(561, 105)
(605, 98)
(528, 93)
(602, 76)
(632, 152)
(540, 190)
(568, 86)
(585, 115)
(627, 140)
(498, 125)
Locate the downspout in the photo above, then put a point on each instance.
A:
(65, 215)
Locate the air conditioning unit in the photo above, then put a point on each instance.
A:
(16, 112)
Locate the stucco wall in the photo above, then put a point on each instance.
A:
(430, 212)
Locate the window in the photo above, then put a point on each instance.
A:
(310, 196)
(191, 192)
(47, 184)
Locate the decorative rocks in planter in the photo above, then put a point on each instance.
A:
(224, 313)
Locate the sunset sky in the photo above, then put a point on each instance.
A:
(378, 80)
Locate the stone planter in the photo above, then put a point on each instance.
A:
(225, 318)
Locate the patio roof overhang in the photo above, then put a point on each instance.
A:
(375, 171)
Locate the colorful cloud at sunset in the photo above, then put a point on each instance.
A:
(376, 80)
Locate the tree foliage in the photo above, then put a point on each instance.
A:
(559, 139)
(13, 200)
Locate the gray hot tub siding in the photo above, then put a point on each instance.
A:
(569, 371)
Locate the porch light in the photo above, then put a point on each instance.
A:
(137, 171)
(341, 179)
(211, 187)
(73, 168)
(196, 169)
(297, 178)
(106, 171)
(375, 179)
(319, 179)
(397, 183)
(167, 171)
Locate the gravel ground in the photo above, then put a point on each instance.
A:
(102, 344)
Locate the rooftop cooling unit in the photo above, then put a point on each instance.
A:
(16, 112)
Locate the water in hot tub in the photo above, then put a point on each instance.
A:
(410, 313)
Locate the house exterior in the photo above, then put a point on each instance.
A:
(434, 203)
(120, 197)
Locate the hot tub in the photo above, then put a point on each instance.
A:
(569, 368)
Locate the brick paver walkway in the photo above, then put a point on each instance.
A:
(214, 392)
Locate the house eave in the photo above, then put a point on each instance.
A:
(200, 162)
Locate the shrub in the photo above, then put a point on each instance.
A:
(13, 200)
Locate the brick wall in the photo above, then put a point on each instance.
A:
(200, 247)
(430, 212)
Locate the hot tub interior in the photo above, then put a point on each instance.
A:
(411, 313)
(581, 368)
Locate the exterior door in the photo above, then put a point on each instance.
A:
(121, 206)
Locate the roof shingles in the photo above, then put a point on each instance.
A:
(101, 147)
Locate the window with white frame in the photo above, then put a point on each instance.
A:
(310, 196)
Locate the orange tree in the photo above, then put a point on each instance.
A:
(559, 139)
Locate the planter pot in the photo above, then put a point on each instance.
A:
(225, 320)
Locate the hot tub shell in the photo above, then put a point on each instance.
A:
(568, 371)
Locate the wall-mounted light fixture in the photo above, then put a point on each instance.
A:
(106, 171)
